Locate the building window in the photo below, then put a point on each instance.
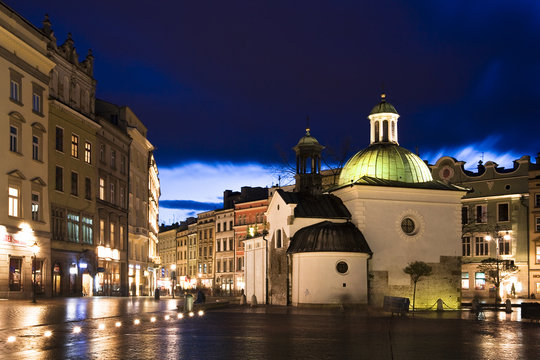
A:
(218, 246)
(466, 246)
(14, 201)
(15, 87)
(74, 145)
(231, 244)
(35, 206)
(479, 281)
(122, 196)
(59, 179)
(537, 253)
(88, 189)
(408, 226)
(121, 238)
(342, 267)
(537, 224)
(102, 153)
(113, 194)
(102, 188)
(481, 246)
(15, 274)
(112, 235)
(87, 152)
(101, 232)
(464, 215)
(502, 212)
(13, 138)
(278, 239)
(59, 139)
(113, 159)
(74, 184)
(87, 230)
(465, 280)
(231, 265)
(218, 267)
(537, 200)
(35, 147)
(481, 214)
(504, 246)
(73, 227)
(218, 227)
(239, 267)
(123, 164)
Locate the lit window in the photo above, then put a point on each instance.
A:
(73, 227)
(87, 230)
(74, 145)
(102, 188)
(113, 193)
(35, 206)
(112, 235)
(479, 281)
(35, 147)
(87, 152)
(101, 232)
(13, 207)
(538, 253)
(465, 280)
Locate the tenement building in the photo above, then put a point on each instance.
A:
(534, 229)
(72, 168)
(205, 245)
(494, 225)
(225, 251)
(24, 215)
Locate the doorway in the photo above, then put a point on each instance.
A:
(87, 285)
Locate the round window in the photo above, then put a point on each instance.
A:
(342, 267)
(408, 227)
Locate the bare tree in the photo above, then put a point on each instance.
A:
(417, 270)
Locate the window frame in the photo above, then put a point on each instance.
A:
(466, 246)
(479, 281)
(14, 201)
(465, 280)
(88, 152)
(507, 211)
(37, 99)
(74, 184)
(15, 78)
(482, 219)
(59, 186)
(74, 145)
(36, 206)
(59, 139)
(478, 245)
(88, 188)
(14, 138)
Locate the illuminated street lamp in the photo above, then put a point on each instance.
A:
(498, 238)
(35, 250)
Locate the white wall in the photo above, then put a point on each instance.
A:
(255, 269)
(378, 212)
(316, 280)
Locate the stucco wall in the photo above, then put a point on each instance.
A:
(315, 279)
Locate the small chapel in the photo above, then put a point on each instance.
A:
(349, 243)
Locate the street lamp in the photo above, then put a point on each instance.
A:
(35, 250)
(266, 265)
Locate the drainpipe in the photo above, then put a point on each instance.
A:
(524, 203)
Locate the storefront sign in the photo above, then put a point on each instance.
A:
(13, 240)
(107, 253)
(100, 269)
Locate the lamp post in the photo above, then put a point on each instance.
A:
(264, 233)
(35, 249)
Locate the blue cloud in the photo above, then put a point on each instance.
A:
(189, 204)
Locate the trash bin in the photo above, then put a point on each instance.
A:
(188, 302)
(156, 294)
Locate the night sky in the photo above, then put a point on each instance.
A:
(225, 85)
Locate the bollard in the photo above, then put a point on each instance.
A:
(243, 300)
(188, 303)
(508, 306)
(253, 300)
(440, 305)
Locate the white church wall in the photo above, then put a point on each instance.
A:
(315, 279)
(255, 269)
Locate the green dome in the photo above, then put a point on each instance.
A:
(307, 140)
(383, 107)
(386, 161)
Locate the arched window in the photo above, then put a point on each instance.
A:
(376, 131)
(385, 130)
(393, 131)
(278, 238)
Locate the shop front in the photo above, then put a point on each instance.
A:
(108, 280)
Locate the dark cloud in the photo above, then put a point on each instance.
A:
(189, 205)
(218, 80)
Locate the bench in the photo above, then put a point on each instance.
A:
(530, 311)
(396, 305)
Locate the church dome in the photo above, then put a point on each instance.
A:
(308, 141)
(383, 107)
(327, 236)
(387, 161)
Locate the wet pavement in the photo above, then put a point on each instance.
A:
(251, 333)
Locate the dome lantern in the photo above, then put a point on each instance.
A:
(308, 164)
(383, 120)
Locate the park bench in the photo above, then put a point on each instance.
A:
(396, 305)
(530, 311)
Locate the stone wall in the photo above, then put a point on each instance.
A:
(444, 283)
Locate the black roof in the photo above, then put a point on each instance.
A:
(326, 206)
(434, 184)
(329, 236)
